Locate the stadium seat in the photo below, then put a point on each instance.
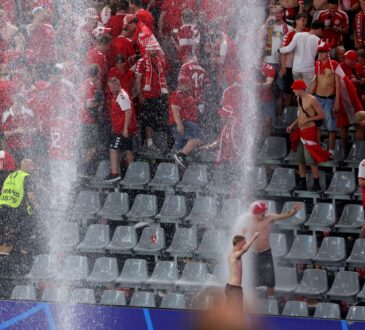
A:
(352, 219)
(134, 274)
(327, 311)
(215, 281)
(173, 301)
(23, 292)
(44, 268)
(105, 271)
(303, 250)
(173, 209)
(75, 269)
(82, 296)
(332, 252)
(273, 151)
(288, 116)
(361, 295)
(296, 308)
(286, 280)
(345, 286)
(113, 298)
(258, 175)
(201, 301)
(66, 236)
(144, 208)
(219, 183)
(137, 176)
(123, 241)
(204, 210)
(87, 205)
(356, 313)
(231, 210)
(102, 172)
(296, 221)
(267, 307)
(211, 244)
(116, 206)
(96, 239)
(193, 278)
(357, 256)
(184, 243)
(314, 283)
(143, 299)
(195, 179)
(55, 295)
(279, 245)
(323, 217)
(338, 155)
(357, 154)
(166, 177)
(164, 276)
(309, 193)
(342, 185)
(272, 206)
(282, 182)
(152, 241)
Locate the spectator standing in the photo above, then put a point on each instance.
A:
(115, 23)
(143, 15)
(358, 26)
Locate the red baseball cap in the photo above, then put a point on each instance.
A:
(299, 85)
(351, 55)
(324, 47)
(128, 19)
(258, 208)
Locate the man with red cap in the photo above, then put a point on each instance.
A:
(304, 135)
(259, 221)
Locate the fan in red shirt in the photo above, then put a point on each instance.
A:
(122, 45)
(115, 22)
(143, 15)
(7, 90)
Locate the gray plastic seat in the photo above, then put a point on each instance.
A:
(75, 269)
(173, 209)
(309, 193)
(338, 155)
(116, 206)
(123, 241)
(194, 277)
(296, 308)
(204, 209)
(144, 208)
(323, 217)
(268, 307)
(23, 292)
(113, 298)
(297, 220)
(282, 182)
(195, 178)
(279, 245)
(102, 172)
(164, 275)
(66, 237)
(166, 177)
(137, 176)
(313, 284)
(303, 250)
(82, 296)
(184, 242)
(361, 295)
(219, 183)
(356, 313)
(331, 252)
(357, 153)
(327, 311)
(357, 256)
(273, 151)
(55, 295)
(201, 301)
(134, 273)
(44, 268)
(87, 205)
(152, 241)
(105, 271)
(143, 299)
(352, 219)
(96, 239)
(231, 210)
(173, 301)
(286, 280)
(342, 185)
(345, 286)
(211, 244)
(258, 175)
(272, 206)
(288, 116)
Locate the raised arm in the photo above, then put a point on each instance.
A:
(286, 215)
(247, 246)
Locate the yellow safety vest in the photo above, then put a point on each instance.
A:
(12, 193)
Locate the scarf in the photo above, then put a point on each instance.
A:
(359, 28)
(269, 35)
(329, 64)
(149, 74)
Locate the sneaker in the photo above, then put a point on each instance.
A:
(181, 159)
(112, 178)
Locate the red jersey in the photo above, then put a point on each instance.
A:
(174, 9)
(188, 39)
(146, 18)
(7, 89)
(265, 93)
(142, 37)
(121, 46)
(116, 24)
(42, 45)
(7, 161)
(126, 79)
(187, 104)
(232, 100)
(339, 20)
(95, 56)
(9, 7)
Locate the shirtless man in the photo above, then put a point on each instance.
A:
(233, 288)
(304, 135)
(291, 9)
(326, 88)
(260, 222)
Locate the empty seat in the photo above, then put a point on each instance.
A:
(258, 175)
(352, 219)
(144, 208)
(82, 296)
(173, 209)
(231, 209)
(357, 256)
(102, 172)
(164, 275)
(272, 206)
(201, 301)
(96, 239)
(279, 245)
(87, 205)
(304, 248)
(345, 286)
(124, 240)
(361, 295)
(105, 271)
(338, 155)
(23, 292)
(288, 116)
(66, 237)
(356, 313)
(342, 185)
(323, 216)
(193, 277)
(357, 153)
(327, 311)
(75, 269)
(204, 209)
(143, 299)
(273, 151)
(137, 176)
(211, 245)
(44, 268)
(220, 183)
(195, 178)
(286, 280)
(268, 307)
(134, 273)
(282, 182)
(152, 241)
(297, 220)
(184, 242)
(115, 207)
(113, 298)
(296, 308)
(331, 252)
(167, 176)
(313, 284)
(173, 301)
(55, 295)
